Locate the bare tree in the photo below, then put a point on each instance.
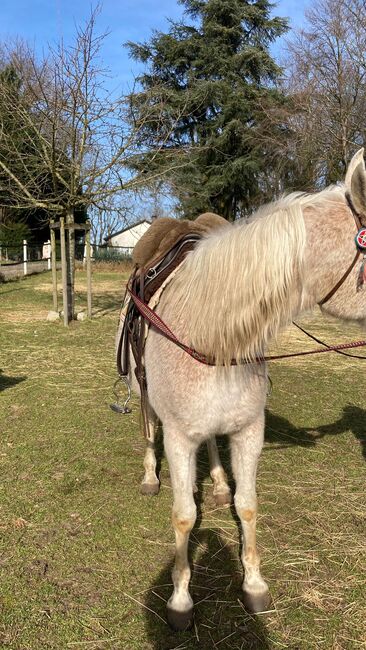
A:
(75, 142)
(107, 219)
(326, 80)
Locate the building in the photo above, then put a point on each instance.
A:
(128, 237)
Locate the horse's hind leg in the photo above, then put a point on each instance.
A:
(221, 490)
(150, 483)
(245, 451)
(181, 453)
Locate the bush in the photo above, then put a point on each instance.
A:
(12, 234)
(112, 255)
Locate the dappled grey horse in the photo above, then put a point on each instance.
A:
(228, 299)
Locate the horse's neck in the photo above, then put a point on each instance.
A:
(329, 250)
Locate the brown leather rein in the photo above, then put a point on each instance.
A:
(345, 275)
(158, 324)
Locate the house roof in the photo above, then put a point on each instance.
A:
(133, 225)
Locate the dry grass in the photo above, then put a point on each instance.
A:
(122, 266)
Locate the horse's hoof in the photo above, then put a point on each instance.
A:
(150, 489)
(179, 621)
(223, 498)
(256, 603)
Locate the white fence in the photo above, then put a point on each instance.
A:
(24, 265)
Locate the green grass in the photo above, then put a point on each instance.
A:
(85, 560)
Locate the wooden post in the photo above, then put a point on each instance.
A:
(64, 271)
(88, 271)
(24, 257)
(70, 254)
(54, 266)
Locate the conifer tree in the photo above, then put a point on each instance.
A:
(213, 83)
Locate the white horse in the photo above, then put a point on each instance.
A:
(229, 298)
(150, 484)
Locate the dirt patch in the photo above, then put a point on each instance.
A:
(23, 316)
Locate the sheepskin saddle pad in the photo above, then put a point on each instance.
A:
(165, 233)
(156, 256)
(163, 248)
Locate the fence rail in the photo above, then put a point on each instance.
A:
(111, 253)
(26, 259)
(23, 259)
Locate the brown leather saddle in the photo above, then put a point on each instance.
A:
(157, 254)
(145, 283)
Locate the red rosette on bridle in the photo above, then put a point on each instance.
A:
(360, 239)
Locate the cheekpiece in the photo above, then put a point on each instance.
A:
(360, 239)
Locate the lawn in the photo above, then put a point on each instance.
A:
(85, 559)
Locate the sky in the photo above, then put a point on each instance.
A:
(43, 22)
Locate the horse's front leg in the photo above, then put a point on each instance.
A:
(221, 490)
(246, 447)
(181, 454)
(150, 483)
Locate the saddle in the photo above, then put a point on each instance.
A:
(157, 254)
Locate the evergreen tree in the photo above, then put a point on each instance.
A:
(212, 83)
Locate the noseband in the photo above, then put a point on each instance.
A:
(360, 241)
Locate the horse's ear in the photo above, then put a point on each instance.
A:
(356, 181)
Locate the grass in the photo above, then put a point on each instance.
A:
(85, 560)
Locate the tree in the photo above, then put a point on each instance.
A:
(326, 79)
(13, 234)
(14, 69)
(217, 70)
(74, 142)
(107, 219)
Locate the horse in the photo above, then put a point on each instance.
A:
(229, 298)
(150, 484)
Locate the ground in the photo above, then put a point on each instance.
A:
(85, 559)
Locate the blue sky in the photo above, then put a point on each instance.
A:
(44, 21)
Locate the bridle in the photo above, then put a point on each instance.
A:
(152, 318)
(359, 238)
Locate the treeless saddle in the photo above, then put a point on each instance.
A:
(157, 254)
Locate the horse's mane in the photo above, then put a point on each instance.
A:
(244, 282)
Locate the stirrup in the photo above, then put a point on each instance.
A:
(116, 407)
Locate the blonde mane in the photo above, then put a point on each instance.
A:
(244, 282)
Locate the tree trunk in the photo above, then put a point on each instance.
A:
(70, 264)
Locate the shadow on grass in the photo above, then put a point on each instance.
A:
(106, 303)
(220, 618)
(217, 576)
(9, 382)
(280, 430)
(12, 290)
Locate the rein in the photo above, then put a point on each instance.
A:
(155, 321)
(135, 337)
(359, 248)
(158, 324)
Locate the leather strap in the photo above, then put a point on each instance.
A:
(357, 217)
(155, 321)
(341, 280)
